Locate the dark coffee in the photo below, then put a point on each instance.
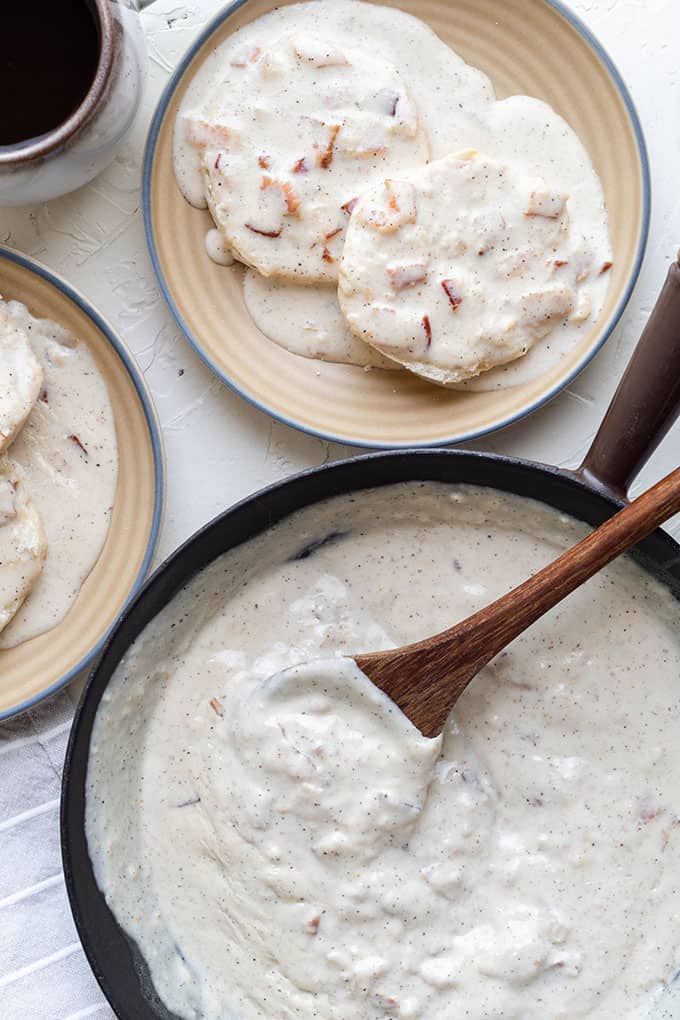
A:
(49, 51)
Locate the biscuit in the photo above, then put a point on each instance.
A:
(23, 544)
(287, 142)
(457, 267)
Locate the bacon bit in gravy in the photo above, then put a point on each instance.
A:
(402, 277)
(319, 54)
(216, 707)
(349, 206)
(558, 263)
(449, 288)
(666, 834)
(648, 810)
(74, 439)
(545, 203)
(606, 266)
(326, 255)
(394, 205)
(43, 396)
(218, 161)
(263, 233)
(428, 329)
(385, 1002)
(301, 167)
(245, 55)
(264, 162)
(333, 233)
(292, 200)
(312, 925)
(206, 136)
(325, 158)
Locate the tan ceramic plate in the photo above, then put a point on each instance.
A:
(536, 47)
(37, 668)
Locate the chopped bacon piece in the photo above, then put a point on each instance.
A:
(449, 288)
(217, 162)
(558, 263)
(217, 707)
(292, 200)
(333, 233)
(43, 396)
(394, 205)
(606, 266)
(405, 276)
(325, 158)
(301, 167)
(263, 233)
(542, 307)
(74, 439)
(326, 255)
(395, 208)
(648, 809)
(264, 162)
(205, 135)
(318, 54)
(349, 206)
(428, 329)
(246, 54)
(312, 925)
(546, 203)
(582, 264)
(385, 1002)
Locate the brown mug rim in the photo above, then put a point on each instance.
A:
(13, 155)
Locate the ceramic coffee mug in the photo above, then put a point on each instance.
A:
(72, 152)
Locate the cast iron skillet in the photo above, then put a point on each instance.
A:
(643, 409)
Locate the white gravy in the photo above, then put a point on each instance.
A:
(68, 458)
(306, 321)
(458, 109)
(216, 249)
(300, 852)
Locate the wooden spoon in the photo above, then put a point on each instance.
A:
(426, 679)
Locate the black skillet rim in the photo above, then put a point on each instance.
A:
(100, 935)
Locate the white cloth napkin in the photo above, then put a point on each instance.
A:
(43, 972)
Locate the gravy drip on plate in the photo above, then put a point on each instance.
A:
(67, 456)
(306, 321)
(458, 110)
(303, 853)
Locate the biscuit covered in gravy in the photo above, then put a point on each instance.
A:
(23, 544)
(21, 378)
(459, 267)
(295, 131)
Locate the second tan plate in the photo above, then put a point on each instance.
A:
(39, 667)
(535, 47)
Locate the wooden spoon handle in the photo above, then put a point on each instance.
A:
(646, 402)
(493, 627)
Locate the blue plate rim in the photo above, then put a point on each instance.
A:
(158, 453)
(149, 153)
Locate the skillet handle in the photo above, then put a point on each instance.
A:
(647, 400)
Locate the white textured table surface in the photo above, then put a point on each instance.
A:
(220, 449)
